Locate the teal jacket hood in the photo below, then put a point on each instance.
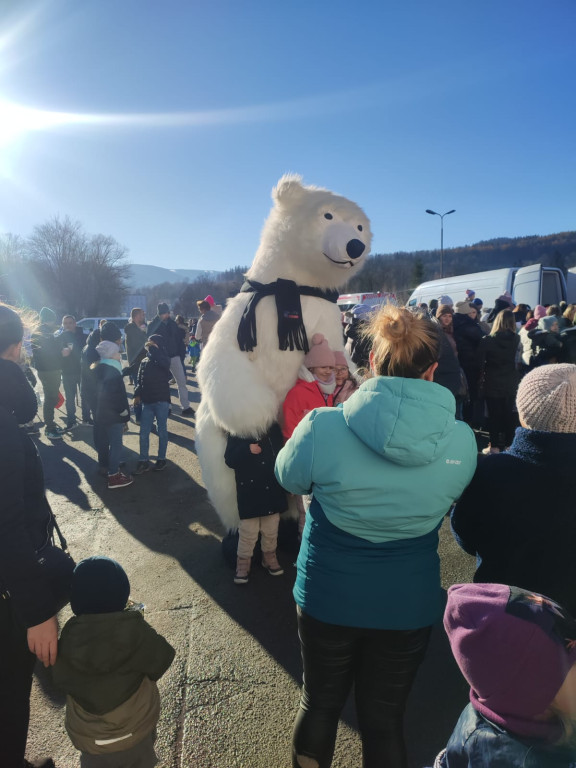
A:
(406, 421)
(385, 465)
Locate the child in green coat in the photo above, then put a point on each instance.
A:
(109, 660)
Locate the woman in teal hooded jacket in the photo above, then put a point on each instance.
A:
(368, 585)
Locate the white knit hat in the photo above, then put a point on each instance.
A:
(320, 354)
(546, 398)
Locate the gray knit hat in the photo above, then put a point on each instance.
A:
(546, 398)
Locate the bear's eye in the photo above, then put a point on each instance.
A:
(328, 216)
(359, 227)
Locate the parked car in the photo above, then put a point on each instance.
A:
(88, 324)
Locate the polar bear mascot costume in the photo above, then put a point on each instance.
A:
(312, 242)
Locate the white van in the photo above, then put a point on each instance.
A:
(89, 324)
(528, 285)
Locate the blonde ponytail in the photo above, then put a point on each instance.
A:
(403, 343)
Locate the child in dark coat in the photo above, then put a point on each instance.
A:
(112, 409)
(153, 391)
(260, 498)
(109, 660)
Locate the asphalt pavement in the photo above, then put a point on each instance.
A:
(230, 697)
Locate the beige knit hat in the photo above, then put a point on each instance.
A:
(546, 398)
(463, 308)
(320, 354)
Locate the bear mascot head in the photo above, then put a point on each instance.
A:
(312, 242)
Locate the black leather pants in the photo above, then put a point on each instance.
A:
(16, 666)
(381, 664)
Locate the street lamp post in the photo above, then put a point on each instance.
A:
(433, 213)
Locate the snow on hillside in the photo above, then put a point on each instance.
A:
(149, 275)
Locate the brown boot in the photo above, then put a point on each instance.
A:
(242, 570)
(270, 563)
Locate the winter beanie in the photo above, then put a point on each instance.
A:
(445, 300)
(163, 309)
(110, 332)
(444, 309)
(470, 294)
(545, 323)
(539, 311)
(340, 359)
(107, 350)
(546, 398)
(514, 647)
(478, 303)
(463, 308)
(99, 585)
(209, 300)
(158, 340)
(47, 315)
(320, 353)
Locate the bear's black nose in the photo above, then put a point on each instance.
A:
(355, 248)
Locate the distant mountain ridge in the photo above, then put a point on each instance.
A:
(148, 275)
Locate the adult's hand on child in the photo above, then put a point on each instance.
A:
(255, 449)
(43, 641)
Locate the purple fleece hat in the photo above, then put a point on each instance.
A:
(514, 647)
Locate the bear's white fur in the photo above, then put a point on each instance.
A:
(304, 239)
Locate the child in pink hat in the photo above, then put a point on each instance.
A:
(313, 389)
(315, 385)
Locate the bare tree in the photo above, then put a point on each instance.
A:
(81, 274)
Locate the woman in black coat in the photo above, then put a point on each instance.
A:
(260, 498)
(28, 626)
(467, 334)
(498, 353)
(517, 514)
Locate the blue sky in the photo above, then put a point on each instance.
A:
(166, 124)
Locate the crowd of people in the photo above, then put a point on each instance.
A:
(90, 369)
(367, 588)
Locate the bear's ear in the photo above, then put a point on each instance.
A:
(288, 189)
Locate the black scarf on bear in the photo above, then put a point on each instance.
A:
(291, 331)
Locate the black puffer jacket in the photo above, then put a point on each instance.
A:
(467, 335)
(46, 350)
(498, 360)
(111, 399)
(517, 514)
(154, 377)
(16, 394)
(257, 489)
(25, 517)
(448, 372)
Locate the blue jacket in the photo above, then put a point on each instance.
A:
(478, 743)
(384, 467)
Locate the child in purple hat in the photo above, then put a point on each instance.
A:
(517, 650)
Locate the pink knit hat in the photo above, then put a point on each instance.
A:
(209, 300)
(320, 354)
(539, 312)
(340, 359)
